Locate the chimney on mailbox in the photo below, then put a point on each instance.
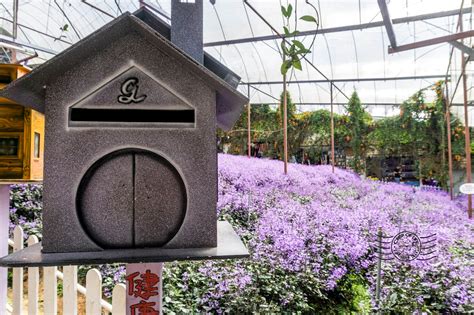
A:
(187, 27)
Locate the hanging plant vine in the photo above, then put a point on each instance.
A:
(293, 51)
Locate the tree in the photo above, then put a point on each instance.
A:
(358, 126)
(420, 131)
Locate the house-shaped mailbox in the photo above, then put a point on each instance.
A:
(130, 149)
(21, 135)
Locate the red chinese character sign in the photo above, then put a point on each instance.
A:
(144, 289)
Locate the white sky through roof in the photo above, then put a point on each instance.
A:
(340, 55)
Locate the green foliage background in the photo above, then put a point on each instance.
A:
(419, 131)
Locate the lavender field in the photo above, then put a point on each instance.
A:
(311, 237)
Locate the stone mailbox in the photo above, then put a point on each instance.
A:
(130, 149)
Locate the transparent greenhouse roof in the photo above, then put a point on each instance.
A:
(352, 54)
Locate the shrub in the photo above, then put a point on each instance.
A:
(310, 235)
(26, 205)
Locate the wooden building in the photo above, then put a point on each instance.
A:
(21, 134)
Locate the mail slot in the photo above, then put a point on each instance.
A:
(141, 100)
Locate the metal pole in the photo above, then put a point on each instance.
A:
(344, 28)
(15, 19)
(342, 80)
(4, 225)
(467, 135)
(283, 38)
(285, 127)
(448, 119)
(98, 9)
(450, 157)
(332, 129)
(249, 139)
(379, 269)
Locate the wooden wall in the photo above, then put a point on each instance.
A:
(12, 126)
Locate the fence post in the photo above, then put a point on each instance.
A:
(119, 296)
(17, 274)
(50, 290)
(93, 292)
(379, 269)
(4, 235)
(33, 283)
(70, 290)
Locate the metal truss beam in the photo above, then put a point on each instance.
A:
(387, 22)
(431, 41)
(408, 19)
(419, 77)
(32, 46)
(98, 9)
(467, 50)
(37, 31)
(155, 9)
(345, 104)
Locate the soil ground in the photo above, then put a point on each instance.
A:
(80, 298)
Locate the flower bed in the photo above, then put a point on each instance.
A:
(310, 235)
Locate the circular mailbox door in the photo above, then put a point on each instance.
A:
(130, 199)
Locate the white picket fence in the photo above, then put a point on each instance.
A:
(94, 304)
(430, 188)
(422, 187)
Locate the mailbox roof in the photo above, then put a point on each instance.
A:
(29, 89)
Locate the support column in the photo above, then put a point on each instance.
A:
(332, 129)
(450, 154)
(285, 127)
(467, 135)
(249, 137)
(4, 226)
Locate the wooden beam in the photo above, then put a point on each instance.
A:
(432, 41)
(387, 22)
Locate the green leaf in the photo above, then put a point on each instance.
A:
(283, 11)
(285, 66)
(289, 10)
(296, 63)
(284, 48)
(294, 33)
(292, 50)
(308, 18)
(298, 44)
(287, 31)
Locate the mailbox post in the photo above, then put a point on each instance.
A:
(130, 154)
(4, 227)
